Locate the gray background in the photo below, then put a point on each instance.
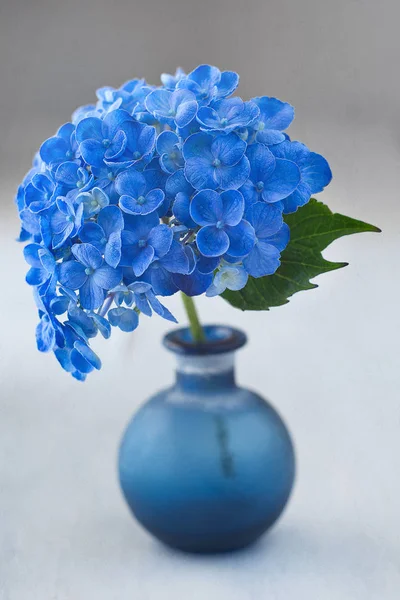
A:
(329, 360)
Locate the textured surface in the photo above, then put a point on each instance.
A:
(328, 360)
(206, 466)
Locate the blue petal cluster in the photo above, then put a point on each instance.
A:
(152, 190)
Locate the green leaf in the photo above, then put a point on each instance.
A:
(312, 228)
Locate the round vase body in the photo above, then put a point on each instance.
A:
(206, 466)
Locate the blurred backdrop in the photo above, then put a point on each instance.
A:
(329, 360)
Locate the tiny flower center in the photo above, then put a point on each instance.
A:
(171, 112)
(110, 176)
(94, 203)
(69, 219)
(219, 224)
(136, 155)
(216, 163)
(260, 125)
(224, 122)
(141, 200)
(173, 155)
(89, 271)
(142, 243)
(225, 276)
(69, 154)
(79, 184)
(103, 240)
(106, 143)
(259, 186)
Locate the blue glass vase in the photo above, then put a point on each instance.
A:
(205, 465)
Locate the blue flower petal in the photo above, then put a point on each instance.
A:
(160, 238)
(166, 141)
(92, 152)
(113, 122)
(111, 220)
(266, 219)
(125, 318)
(275, 114)
(59, 239)
(93, 234)
(130, 183)
(88, 255)
(232, 207)
(158, 102)
(77, 316)
(200, 173)
(241, 239)
(198, 145)
(54, 150)
(262, 260)
(186, 111)
(229, 277)
(161, 280)
(143, 205)
(270, 137)
(228, 149)
(212, 241)
(316, 173)
(141, 261)
(262, 163)
(208, 118)
(299, 197)
(45, 335)
(170, 165)
(81, 365)
(194, 284)
(102, 324)
(142, 302)
(36, 276)
(280, 239)
(159, 308)
(283, 181)
(227, 84)
(206, 264)
(107, 277)
(31, 255)
(117, 146)
(181, 210)
(233, 177)
(72, 274)
(89, 128)
(176, 260)
(67, 173)
(177, 183)
(91, 295)
(88, 354)
(207, 208)
(112, 251)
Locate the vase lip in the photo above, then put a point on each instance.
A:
(219, 339)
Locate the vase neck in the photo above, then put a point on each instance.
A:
(213, 371)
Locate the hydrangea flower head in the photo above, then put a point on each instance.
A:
(153, 190)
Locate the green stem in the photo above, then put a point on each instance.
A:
(194, 323)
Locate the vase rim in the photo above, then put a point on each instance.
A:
(219, 339)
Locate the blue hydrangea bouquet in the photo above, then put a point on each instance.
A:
(159, 189)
